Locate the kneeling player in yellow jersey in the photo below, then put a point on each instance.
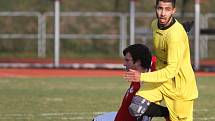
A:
(174, 81)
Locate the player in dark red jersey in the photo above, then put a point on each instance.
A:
(137, 57)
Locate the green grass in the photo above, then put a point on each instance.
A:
(78, 99)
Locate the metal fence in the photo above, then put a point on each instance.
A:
(141, 32)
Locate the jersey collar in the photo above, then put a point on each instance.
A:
(167, 27)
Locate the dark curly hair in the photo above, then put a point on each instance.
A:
(139, 52)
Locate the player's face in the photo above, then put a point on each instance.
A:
(164, 12)
(128, 62)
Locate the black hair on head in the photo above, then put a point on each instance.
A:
(172, 1)
(139, 52)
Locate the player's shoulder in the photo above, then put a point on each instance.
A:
(154, 24)
(177, 33)
(178, 26)
(177, 29)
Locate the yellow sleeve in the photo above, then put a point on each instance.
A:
(175, 52)
(154, 24)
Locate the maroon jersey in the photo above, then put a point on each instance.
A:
(123, 113)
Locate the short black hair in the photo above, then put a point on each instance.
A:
(172, 1)
(139, 52)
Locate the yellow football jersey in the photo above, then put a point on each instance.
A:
(174, 70)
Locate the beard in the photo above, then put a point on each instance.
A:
(168, 21)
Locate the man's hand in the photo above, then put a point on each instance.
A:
(132, 75)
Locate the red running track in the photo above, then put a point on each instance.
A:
(13, 72)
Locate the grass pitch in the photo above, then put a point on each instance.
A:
(79, 99)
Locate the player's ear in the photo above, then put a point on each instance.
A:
(138, 65)
(174, 10)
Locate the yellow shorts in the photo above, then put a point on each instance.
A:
(180, 110)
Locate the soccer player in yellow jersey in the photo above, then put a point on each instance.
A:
(174, 81)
